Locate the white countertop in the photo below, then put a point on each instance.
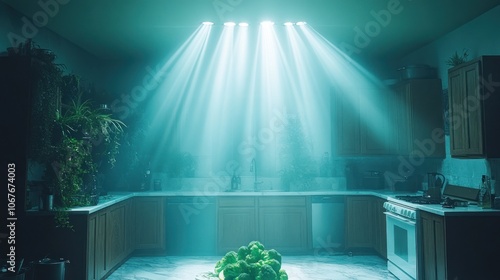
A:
(116, 197)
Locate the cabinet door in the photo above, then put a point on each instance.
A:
(433, 247)
(361, 122)
(236, 224)
(149, 223)
(283, 223)
(91, 247)
(101, 267)
(359, 222)
(116, 246)
(465, 109)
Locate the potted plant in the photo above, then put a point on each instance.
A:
(457, 59)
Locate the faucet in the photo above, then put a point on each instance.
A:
(253, 168)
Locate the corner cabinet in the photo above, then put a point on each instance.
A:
(474, 99)
(418, 118)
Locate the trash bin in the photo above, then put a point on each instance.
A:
(50, 269)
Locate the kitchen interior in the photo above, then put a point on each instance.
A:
(358, 139)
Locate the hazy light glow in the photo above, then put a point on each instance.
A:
(229, 24)
(267, 23)
(301, 23)
(243, 24)
(207, 23)
(288, 23)
(225, 96)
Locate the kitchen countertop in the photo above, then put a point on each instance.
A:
(116, 197)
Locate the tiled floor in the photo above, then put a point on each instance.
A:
(338, 267)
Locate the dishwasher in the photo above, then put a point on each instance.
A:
(327, 224)
(190, 226)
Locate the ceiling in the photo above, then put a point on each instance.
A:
(121, 29)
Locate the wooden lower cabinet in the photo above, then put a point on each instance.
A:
(283, 223)
(236, 223)
(278, 222)
(359, 224)
(365, 224)
(150, 224)
(433, 246)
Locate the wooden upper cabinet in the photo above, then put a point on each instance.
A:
(360, 122)
(418, 118)
(474, 100)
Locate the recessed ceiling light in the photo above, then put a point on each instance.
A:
(288, 23)
(243, 24)
(267, 23)
(301, 23)
(229, 23)
(207, 23)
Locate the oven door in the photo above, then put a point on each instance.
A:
(401, 246)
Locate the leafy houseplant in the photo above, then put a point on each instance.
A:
(295, 156)
(457, 59)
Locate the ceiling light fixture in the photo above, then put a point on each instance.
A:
(207, 23)
(229, 24)
(267, 23)
(243, 24)
(288, 23)
(301, 23)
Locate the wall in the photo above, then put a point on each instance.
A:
(479, 37)
(75, 59)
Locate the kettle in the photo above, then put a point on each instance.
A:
(435, 183)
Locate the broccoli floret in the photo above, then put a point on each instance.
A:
(253, 269)
(266, 273)
(244, 276)
(229, 258)
(256, 244)
(231, 271)
(272, 255)
(243, 251)
(274, 264)
(282, 275)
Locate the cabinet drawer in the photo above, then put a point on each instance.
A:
(282, 201)
(236, 201)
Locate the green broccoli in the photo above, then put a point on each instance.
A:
(251, 259)
(274, 264)
(243, 251)
(266, 273)
(253, 269)
(244, 276)
(272, 255)
(231, 271)
(256, 244)
(229, 258)
(282, 275)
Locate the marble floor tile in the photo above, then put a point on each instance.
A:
(338, 267)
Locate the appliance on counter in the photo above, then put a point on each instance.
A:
(401, 226)
(435, 184)
(369, 179)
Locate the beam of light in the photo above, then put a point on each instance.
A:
(301, 23)
(229, 24)
(288, 23)
(243, 24)
(207, 23)
(168, 103)
(356, 84)
(267, 23)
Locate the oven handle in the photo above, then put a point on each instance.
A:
(397, 217)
